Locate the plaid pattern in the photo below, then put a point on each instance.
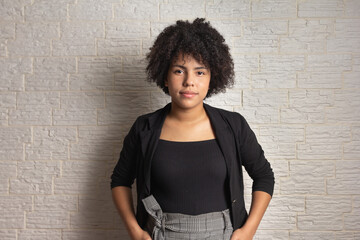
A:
(169, 226)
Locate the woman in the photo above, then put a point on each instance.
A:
(187, 157)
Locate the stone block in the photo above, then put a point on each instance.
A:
(8, 170)
(278, 220)
(346, 180)
(328, 134)
(43, 11)
(6, 234)
(345, 106)
(274, 9)
(320, 222)
(321, 8)
(12, 10)
(307, 36)
(91, 150)
(319, 151)
(16, 203)
(352, 150)
(226, 100)
(127, 30)
(314, 235)
(328, 204)
(30, 234)
(227, 9)
(38, 100)
(271, 234)
(92, 220)
(74, 117)
(137, 10)
(351, 8)
(7, 100)
(92, 81)
(30, 117)
(63, 186)
(116, 47)
(158, 99)
(61, 203)
(185, 9)
(304, 184)
(47, 220)
(7, 30)
(12, 219)
(37, 169)
(37, 185)
(12, 140)
(74, 47)
(84, 169)
(265, 98)
(259, 114)
(101, 134)
(312, 168)
(12, 73)
(346, 37)
(99, 65)
(91, 234)
(82, 100)
(100, 10)
(244, 65)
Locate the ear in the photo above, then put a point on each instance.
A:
(166, 83)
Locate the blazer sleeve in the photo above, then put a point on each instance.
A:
(254, 161)
(125, 170)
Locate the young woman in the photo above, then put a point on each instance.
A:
(187, 157)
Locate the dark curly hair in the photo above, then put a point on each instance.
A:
(198, 39)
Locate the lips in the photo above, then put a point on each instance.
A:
(188, 93)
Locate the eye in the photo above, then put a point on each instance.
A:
(200, 73)
(178, 71)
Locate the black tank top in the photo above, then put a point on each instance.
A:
(190, 177)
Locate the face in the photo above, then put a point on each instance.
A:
(188, 82)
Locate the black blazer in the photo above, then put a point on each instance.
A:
(236, 140)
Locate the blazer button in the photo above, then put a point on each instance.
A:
(234, 201)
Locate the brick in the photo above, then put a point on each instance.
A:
(75, 185)
(11, 219)
(352, 150)
(50, 74)
(277, 72)
(99, 65)
(39, 234)
(12, 140)
(47, 11)
(91, 150)
(8, 234)
(319, 151)
(39, 100)
(29, 117)
(84, 169)
(50, 143)
(280, 168)
(273, 9)
(225, 100)
(260, 36)
(158, 99)
(350, 78)
(228, 29)
(92, 81)
(342, 235)
(351, 7)
(315, 235)
(91, 234)
(91, 220)
(320, 80)
(312, 168)
(31, 170)
(116, 47)
(328, 204)
(227, 9)
(157, 27)
(346, 181)
(3, 48)
(47, 220)
(271, 234)
(137, 10)
(124, 108)
(307, 36)
(185, 9)
(345, 106)
(82, 100)
(302, 184)
(56, 203)
(11, 10)
(327, 134)
(15, 203)
(265, 98)
(355, 130)
(278, 220)
(74, 47)
(320, 222)
(346, 37)
(127, 30)
(100, 10)
(287, 204)
(7, 30)
(103, 134)
(4, 117)
(329, 63)
(321, 8)
(4, 186)
(12, 73)
(7, 100)
(38, 185)
(92, 203)
(8, 170)
(244, 65)
(259, 114)
(74, 117)
(280, 141)
(29, 47)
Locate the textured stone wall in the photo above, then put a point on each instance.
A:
(72, 82)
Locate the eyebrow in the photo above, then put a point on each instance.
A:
(181, 66)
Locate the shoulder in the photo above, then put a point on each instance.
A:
(151, 119)
(234, 118)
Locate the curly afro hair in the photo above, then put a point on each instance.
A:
(198, 39)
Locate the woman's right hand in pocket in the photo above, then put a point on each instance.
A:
(143, 235)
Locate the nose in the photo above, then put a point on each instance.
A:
(188, 80)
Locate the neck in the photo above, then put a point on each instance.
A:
(187, 115)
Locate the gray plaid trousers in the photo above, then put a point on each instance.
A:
(171, 226)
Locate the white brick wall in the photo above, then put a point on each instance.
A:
(72, 82)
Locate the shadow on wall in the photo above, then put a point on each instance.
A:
(95, 154)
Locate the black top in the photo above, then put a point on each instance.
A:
(189, 177)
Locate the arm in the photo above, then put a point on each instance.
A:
(259, 203)
(122, 197)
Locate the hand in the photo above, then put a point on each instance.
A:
(241, 234)
(143, 235)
